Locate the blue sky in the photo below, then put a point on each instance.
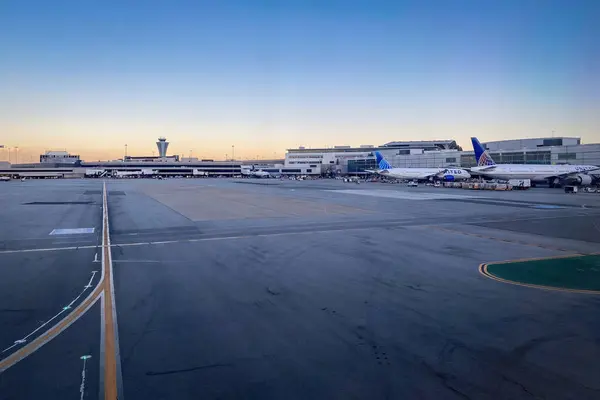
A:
(93, 75)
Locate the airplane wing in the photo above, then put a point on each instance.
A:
(486, 168)
(427, 176)
(574, 173)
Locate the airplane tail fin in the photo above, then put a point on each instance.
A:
(481, 154)
(381, 161)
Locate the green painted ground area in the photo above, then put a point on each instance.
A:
(582, 272)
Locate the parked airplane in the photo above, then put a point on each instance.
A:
(552, 174)
(252, 171)
(446, 174)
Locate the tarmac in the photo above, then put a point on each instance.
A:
(268, 289)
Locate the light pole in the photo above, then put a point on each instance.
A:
(125, 150)
(232, 152)
(16, 154)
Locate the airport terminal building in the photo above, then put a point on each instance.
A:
(445, 153)
(337, 160)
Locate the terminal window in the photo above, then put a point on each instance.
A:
(361, 165)
(567, 156)
(553, 142)
(513, 158)
(467, 160)
(537, 157)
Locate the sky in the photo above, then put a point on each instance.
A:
(92, 76)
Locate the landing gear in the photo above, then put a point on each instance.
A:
(554, 183)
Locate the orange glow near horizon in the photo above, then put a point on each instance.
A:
(267, 78)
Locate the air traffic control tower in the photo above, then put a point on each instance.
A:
(162, 145)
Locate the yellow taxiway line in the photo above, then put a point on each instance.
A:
(110, 342)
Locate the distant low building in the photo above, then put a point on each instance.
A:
(426, 145)
(59, 157)
(174, 158)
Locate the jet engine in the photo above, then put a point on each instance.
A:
(583, 179)
(448, 177)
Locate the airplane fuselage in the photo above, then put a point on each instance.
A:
(448, 174)
(536, 173)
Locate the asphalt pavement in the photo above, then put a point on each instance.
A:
(277, 289)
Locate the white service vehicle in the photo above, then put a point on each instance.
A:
(94, 172)
(198, 173)
(520, 183)
(127, 174)
(253, 172)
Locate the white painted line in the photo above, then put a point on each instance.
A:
(73, 231)
(67, 307)
(353, 228)
(402, 195)
(89, 285)
(82, 386)
(47, 249)
(46, 340)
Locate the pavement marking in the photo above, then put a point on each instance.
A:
(89, 285)
(82, 385)
(67, 307)
(499, 239)
(61, 325)
(148, 243)
(483, 271)
(111, 373)
(70, 242)
(73, 231)
(47, 249)
(51, 333)
(402, 195)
